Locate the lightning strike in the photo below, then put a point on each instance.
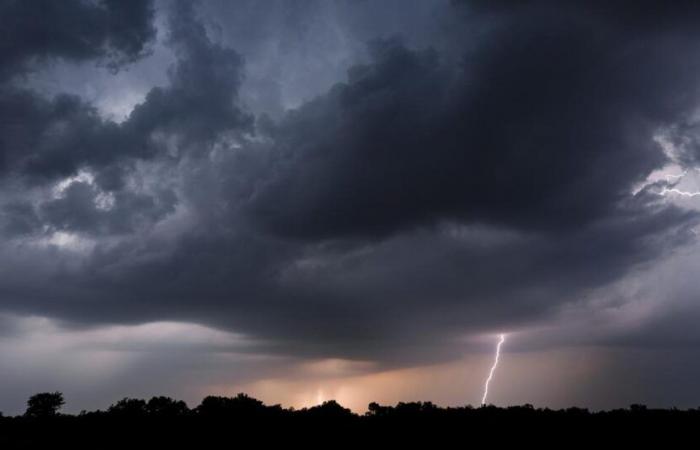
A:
(501, 340)
(666, 191)
(670, 177)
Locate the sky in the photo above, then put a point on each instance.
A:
(350, 200)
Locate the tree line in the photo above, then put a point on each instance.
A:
(217, 422)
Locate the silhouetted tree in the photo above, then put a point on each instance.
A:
(243, 403)
(166, 406)
(330, 410)
(129, 407)
(163, 422)
(239, 405)
(45, 404)
(576, 412)
(638, 408)
(377, 410)
(414, 408)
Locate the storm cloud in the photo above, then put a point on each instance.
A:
(489, 166)
(111, 32)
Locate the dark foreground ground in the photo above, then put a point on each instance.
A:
(243, 422)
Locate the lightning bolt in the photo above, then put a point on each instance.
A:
(671, 176)
(673, 190)
(501, 340)
(665, 191)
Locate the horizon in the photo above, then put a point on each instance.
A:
(369, 410)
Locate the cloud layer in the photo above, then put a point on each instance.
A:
(492, 171)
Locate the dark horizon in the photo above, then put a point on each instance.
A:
(162, 422)
(46, 405)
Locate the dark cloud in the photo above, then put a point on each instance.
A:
(546, 125)
(19, 218)
(80, 209)
(423, 198)
(48, 138)
(408, 298)
(201, 100)
(56, 137)
(112, 31)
